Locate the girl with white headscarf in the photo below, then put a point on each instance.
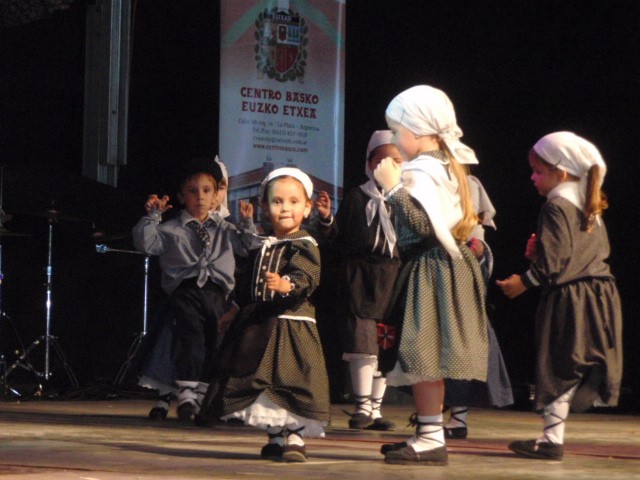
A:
(579, 319)
(444, 325)
(363, 233)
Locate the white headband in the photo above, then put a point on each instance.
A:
(288, 172)
(570, 153)
(428, 111)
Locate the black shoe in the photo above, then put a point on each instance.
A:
(158, 413)
(456, 432)
(381, 424)
(186, 411)
(540, 450)
(360, 421)
(389, 447)
(408, 456)
(294, 453)
(272, 451)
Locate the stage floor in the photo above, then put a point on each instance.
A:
(114, 439)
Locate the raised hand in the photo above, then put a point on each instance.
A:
(323, 204)
(387, 173)
(157, 204)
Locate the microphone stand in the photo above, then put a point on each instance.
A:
(137, 342)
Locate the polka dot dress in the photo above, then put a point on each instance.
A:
(445, 326)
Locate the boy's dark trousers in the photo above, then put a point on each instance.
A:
(196, 311)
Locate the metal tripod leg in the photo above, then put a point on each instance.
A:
(137, 342)
(133, 350)
(6, 389)
(50, 343)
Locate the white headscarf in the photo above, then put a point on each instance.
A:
(428, 111)
(425, 110)
(575, 155)
(481, 202)
(288, 172)
(376, 203)
(223, 211)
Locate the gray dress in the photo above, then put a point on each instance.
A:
(579, 319)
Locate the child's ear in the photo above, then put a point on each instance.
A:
(307, 209)
(180, 198)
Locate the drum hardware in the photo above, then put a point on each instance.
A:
(48, 341)
(7, 390)
(139, 338)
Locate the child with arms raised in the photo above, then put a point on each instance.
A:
(196, 250)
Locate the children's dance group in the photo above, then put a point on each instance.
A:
(239, 342)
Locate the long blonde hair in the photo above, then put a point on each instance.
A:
(462, 230)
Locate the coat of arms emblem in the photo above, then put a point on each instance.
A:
(281, 38)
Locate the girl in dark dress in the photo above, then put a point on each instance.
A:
(579, 319)
(270, 370)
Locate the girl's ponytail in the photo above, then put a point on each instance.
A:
(596, 201)
(464, 227)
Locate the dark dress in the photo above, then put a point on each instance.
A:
(579, 317)
(271, 368)
(370, 272)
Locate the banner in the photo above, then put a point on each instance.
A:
(282, 92)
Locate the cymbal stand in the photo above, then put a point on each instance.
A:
(6, 389)
(137, 342)
(48, 339)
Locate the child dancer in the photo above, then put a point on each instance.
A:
(271, 372)
(444, 329)
(197, 262)
(579, 319)
(363, 231)
(158, 371)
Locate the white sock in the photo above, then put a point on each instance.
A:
(276, 435)
(377, 395)
(458, 417)
(201, 391)
(361, 370)
(429, 433)
(295, 436)
(554, 416)
(164, 398)
(187, 391)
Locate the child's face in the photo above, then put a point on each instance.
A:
(198, 194)
(218, 199)
(545, 177)
(384, 151)
(287, 205)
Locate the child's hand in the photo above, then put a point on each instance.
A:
(277, 284)
(387, 174)
(246, 210)
(156, 204)
(323, 205)
(512, 286)
(476, 246)
(531, 252)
